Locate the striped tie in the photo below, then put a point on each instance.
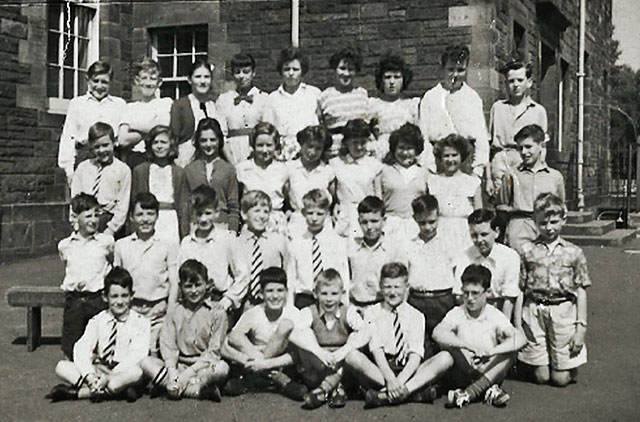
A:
(96, 184)
(401, 346)
(256, 268)
(316, 257)
(110, 348)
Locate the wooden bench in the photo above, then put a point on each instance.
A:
(34, 298)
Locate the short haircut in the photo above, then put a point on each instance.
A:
(147, 201)
(477, 274)
(254, 198)
(394, 270)
(204, 197)
(100, 129)
(455, 141)
(517, 65)
(408, 133)
(241, 60)
(548, 204)
(200, 63)
(534, 132)
(328, 277)
(153, 134)
(192, 271)
(424, 204)
(315, 133)
(483, 215)
(145, 64)
(349, 54)
(118, 276)
(273, 275)
(371, 204)
(457, 53)
(290, 54)
(208, 124)
(393, 63)
(83, 202)
(264, 128)
(316, 198)
(99, 68)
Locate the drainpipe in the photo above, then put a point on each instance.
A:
(295, 23)
(581, 46)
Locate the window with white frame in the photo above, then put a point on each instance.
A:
(72, 45)
(175, 49)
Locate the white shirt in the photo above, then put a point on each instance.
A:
(290, 113)
(243, 115)
(87, 261)
(161, 183)
(212, 112)
(302, 181)
(380, 323)
(258, 328)
(430, 266)
(270, 180)
(143, 116)
(355, 177)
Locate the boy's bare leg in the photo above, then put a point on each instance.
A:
(365, 369)
(563, 378)
(429, 371)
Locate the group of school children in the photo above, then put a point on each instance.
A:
(324, 245)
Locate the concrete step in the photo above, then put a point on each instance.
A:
(577, 217)
(616, 237)
(589, 228)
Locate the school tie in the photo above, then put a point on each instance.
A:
(96, 184)
(316, 257)
(203, 107)
(110, 348)
(401, 346)
(256, 269)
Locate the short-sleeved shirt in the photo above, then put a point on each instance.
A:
(485, 331)
(338, 108)
(302, 181)
(355, 178)
(529, 183)
(502, 261)
(87, 261)
(258, 328)
(505, 121)
(143, 116)
(290, 113)
(430, 264)
(556, 269)
(243, 115)
(193, 335)
(151, 263)
(270, 180)
(400, 186)
(379, 320)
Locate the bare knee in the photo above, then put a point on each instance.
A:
(561, 378)
(541, 375)
(222, 369)
(354, 358)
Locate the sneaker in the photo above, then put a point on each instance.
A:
(294, 391)
(338, 397)
(496, 396)
(131, 394)
(235, 387)
(372, 399)
(426, 395)
(211, 393)
(314, 399)
(62, 392)
(457, 398)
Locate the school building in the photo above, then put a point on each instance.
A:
(45, 47)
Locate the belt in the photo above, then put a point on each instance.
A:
(430, 293)
(336, 130)
(549, 300)
(363, 303)
(166, 206)
(521, 214)
(240, 132)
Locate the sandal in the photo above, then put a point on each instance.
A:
(314, 399)
(338, 397)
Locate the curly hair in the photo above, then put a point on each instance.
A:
(349, 54)
(393, 63)
(455, 141)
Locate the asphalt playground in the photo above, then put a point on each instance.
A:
(608, 387)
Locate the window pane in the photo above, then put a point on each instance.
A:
(202, 57)
(52, 81)
(183, 41)
(165, 42)
(184, 65)
(52, 47)
(53, 18)
(68, 83)
(202, 40)
(82, 82)
(69, 50)
(184, 88)
(166, 64)
(168, 89)
(84, 18)
(83, 53)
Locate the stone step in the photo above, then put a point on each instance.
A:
(577, 217)
(589, 228)
(616, 237)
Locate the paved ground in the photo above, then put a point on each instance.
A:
(608, 387)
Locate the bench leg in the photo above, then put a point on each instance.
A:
(34, 328)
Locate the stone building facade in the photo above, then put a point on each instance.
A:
(40, 69)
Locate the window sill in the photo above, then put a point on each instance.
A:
(57, 105)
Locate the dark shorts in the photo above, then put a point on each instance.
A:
(434, 310)
(302, 300)
(79, 308)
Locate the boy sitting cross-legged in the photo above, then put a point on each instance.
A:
(481, 341)
(396, 374)
(107, 356)
(258, 344)
(190, 342)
